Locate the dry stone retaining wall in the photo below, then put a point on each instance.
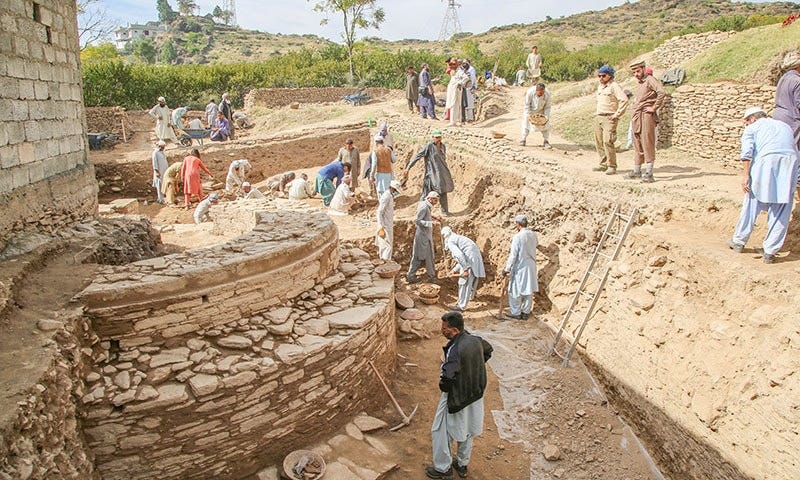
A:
(45, 177)
(706, 119)
(678, 50)
(281, 97)
(238, 353)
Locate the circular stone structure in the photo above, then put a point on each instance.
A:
(215, 361)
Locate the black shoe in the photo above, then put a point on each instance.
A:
(513, 317)
(413, 280)
(455, 308)
(524, 316)
(434, 281)
(433, 473)
(461, 471)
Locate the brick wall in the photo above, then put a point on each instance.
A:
(215, 362)
(43, 164)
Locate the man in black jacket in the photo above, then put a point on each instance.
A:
(459, 415)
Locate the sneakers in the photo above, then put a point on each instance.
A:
(522, 143)
(648, 178)
(461, 471)
(736, 247)
(600, 168)
(632, 175)
(611, 171)
(547, 146)
(769, 258)
(431, 472)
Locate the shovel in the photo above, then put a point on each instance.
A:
(406, 418)
(503, 291)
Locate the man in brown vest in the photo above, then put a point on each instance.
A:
(644, 119)
(380, 173)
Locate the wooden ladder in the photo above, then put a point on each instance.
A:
(616, 231)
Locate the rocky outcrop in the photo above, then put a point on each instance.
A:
(680, 49)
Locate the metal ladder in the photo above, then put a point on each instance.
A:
(621, 233)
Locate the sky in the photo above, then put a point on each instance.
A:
(404, 18)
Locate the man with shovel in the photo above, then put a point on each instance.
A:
(459, 415)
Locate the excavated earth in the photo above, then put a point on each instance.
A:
(689, 357)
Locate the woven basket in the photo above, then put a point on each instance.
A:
(291, 460)
(387, 270)
(429, 290)
(429, 300)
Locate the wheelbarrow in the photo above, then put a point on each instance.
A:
(359, 98)
(187, 135)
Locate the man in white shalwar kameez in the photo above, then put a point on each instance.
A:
(537, 102)
(250, 193)
(469, 266)
(342, 198)
(237, 173)
(201, 213)
(455, 88)
(160, 166)
(521, 267)
(459, 414)
(384, 237)
(770, 163)
(161, 113)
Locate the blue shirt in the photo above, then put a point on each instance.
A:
(769, 145)
(335, 169)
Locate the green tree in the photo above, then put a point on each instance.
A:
(168, 53)
(187, 7)
(217, 12)
(99, 53)
(144, 50)
(165, 12)
(355, 14)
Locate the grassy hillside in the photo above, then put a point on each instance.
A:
(645, 20)
(744, 56)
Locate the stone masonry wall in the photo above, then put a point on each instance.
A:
(212, 380)
(678, 50)
(280, 97)
(43, 164)
(706, 119)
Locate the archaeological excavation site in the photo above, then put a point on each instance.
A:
(137, 344)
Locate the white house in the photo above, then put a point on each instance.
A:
(135, 31)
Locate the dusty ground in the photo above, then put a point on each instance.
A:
(533, 402)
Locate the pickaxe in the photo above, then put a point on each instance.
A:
(406, 418)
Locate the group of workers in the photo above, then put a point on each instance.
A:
(221, 120)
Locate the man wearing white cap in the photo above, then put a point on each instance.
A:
(300, 188)
(160, 166)
(160, 112)
(521, 266)
(422, 250)
(237, 173)
(469, 266)
(250, 193)
(201, 212)
(787, 95)
(177, 116)
(342, 198)
(769, 156)
(384, 237)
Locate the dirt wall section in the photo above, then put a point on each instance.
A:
(281, 97)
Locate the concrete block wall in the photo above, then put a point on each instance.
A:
(281, 97)
(43, 163)
(706, 119)
(259, 347)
